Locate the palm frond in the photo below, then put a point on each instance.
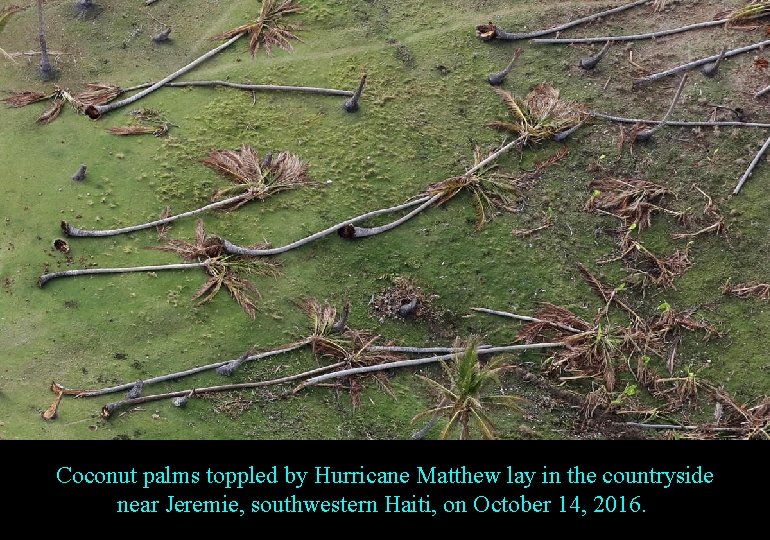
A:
(24, 98)
(98, 94)
(268, 30)
(52, 113)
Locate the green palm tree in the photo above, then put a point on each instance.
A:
(466, 398)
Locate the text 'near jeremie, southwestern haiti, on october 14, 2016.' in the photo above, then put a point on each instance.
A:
(249, 479)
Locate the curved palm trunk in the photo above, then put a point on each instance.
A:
(591, 61)
(71, 230)
(110, 408)
(351, 232)
(248, 252)
(193, 371)
(702, 61)
(45, 278)
(96, 111)
(631, 37)
(351, 105)
(250, 87)
(419, 362)
(496, 79)
(508, 36)
(648, 133)
(45, 64)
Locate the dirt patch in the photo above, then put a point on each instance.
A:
(403, 299)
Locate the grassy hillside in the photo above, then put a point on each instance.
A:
(424, 109)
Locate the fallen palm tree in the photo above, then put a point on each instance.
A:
(677, 123)
(700, 62)
(253, 178)
(347, 229)
(419, 362)
(111, 408)
(266, 31)
(224, 270)
(489, 32)
(250, 87)
(751, 167)
(643, 133)
(630, 37)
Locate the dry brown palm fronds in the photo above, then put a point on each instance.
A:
(98, 94)
(552, 320)
(24, 98)
(132, 130)
(225, 270)
(750, 289)
(590, 354)
(491, 191)
(52, 113)
(710, 214)
(268, 30)
(256, 178)
(632, 200)
(606, 293)
(541, 115)
(595, 399)
(648, 268)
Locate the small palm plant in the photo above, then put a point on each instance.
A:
(465, 399)
(267, 30)
(542, 115)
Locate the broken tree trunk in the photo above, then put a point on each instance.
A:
(193, 371)
(71, 230)
(45, 278)
(631, 37)
(751, 167)
(248, 252)
(591, 62)
(109, 409)
(96, 111)
(419, 362)
(249, 87)
(698, 63)
(508, 36)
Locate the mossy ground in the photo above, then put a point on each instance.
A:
(425, 107)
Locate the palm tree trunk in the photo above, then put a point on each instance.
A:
(250, 87)
(624, 120)
(193, 371)
(698, 63)
(352, 232)
(45, 278)
(95, 111)
(71, 230)
(648, 133)
(632, 37)
(419, 362)
(45, 64)
(110, 408)
(526, 319)
(248, 252)
(751, 167)
(421, 350)
(502, 34)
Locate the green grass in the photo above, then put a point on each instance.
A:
(424, 108)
